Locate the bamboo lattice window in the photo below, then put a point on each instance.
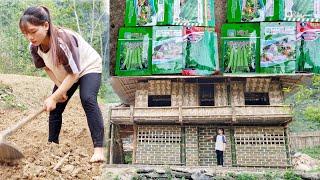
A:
(259, 139)
(158, 137)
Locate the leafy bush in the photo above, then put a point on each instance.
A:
(290, 175)
(246, 176)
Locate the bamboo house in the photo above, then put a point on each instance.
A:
(166, 119)
(171, 117)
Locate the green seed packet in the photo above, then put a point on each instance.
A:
(301, 10)
(164, 12)
(240, 45)
(201, 50)
(278, 47)
(141, 13)
(167, 50)
(134, 51)
(253, 10)
(308, 43)
(193, 13)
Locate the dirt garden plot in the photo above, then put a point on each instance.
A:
(21, 95)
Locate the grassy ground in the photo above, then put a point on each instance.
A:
(312, 152)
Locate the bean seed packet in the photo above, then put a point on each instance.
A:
(134, 51)
(240, 45)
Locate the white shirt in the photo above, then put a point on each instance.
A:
(220, 140)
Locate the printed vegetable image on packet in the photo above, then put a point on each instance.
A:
(308, 44)
(302, 10)
(167, 50)
(193, 12)
(134, 51)
(141, 13)
(254, 10)
(240, 45)
(201, 50)
(278, 47)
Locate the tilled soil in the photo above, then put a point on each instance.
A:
(26, 95)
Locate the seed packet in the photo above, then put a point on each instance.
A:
(253, 10)
(201, 50)
(141, 13)
(278, 47)
(308, 43)
(134, 51)
(193, 12)
(240, 45)
(301, 10)
(167, 50)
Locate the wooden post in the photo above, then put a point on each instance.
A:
(180, 115)
(131, 113)
(135, 134)
(111, 145)
(107, 135)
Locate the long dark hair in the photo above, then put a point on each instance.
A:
(221, 130)
(37, 16)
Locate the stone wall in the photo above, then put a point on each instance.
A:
(191, 148)
(260, 146)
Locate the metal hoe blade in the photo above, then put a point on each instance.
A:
(9, 153)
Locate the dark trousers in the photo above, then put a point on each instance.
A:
(89, 88)
(219, 157)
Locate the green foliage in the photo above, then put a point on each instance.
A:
(312, 152)
(7, 98)
(312, 113)
(128, 157)
(290, 175)
(106, 93)
(306, 102)
(15, 57)
(14, 52)
(169, 174)
(246, 176)
(272, 175)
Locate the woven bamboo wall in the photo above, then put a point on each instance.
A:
(257, 85)
(141, 99)
(177, 94)
(275, 93)
(220, 94)
(237, 93)
(187, 94)
(190, 95)
(305, 140)
(159, 87)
